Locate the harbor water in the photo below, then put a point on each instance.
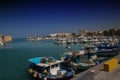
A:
(14, 56)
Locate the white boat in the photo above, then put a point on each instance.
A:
(50, 69)
(1, 43)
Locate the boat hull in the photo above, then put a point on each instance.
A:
(41, 76)
(65, 78)
(45, 78)
(107, 53)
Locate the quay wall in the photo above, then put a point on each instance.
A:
(98, 73)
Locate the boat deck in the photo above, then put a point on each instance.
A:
(98, 73)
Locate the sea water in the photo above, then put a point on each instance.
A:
(14, 56)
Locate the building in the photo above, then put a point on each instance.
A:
(7, 38)
(83, 32)
(63, 34)
(53, 35)
(60, 35)
(1, 38)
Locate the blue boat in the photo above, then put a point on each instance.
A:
(107, 46)
(77, 60)
(118, 44)
(48, 68)
(107, 49)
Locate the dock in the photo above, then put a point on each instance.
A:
(98, 73)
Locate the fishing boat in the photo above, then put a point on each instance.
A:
(50, 69)
(102, 50)
(77, 60)
(107, 49)
(107, 46)
(118, 44)
(107, 52)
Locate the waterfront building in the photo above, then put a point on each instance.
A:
(63, 34)
(53, 35)
(1, 38)
(7, 38)
(83, 32)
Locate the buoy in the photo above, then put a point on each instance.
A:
(30, 71)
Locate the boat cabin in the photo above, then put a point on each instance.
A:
(46, 65)
(50, 69)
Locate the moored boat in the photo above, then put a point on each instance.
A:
(50, 69)
(102, 50)
(107, 49)
(77, 60)
(1, 43)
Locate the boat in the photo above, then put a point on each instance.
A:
(102, 50)
(107, 46)
(118, 44)
(91, 51)
(107, 52)
(1, 43)
(77, 60)
(107, 49)
(50, 69)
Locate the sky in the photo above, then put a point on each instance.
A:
(20, 18)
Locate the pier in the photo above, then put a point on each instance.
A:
(98, 72)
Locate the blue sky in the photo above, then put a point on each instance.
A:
(42, 17)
